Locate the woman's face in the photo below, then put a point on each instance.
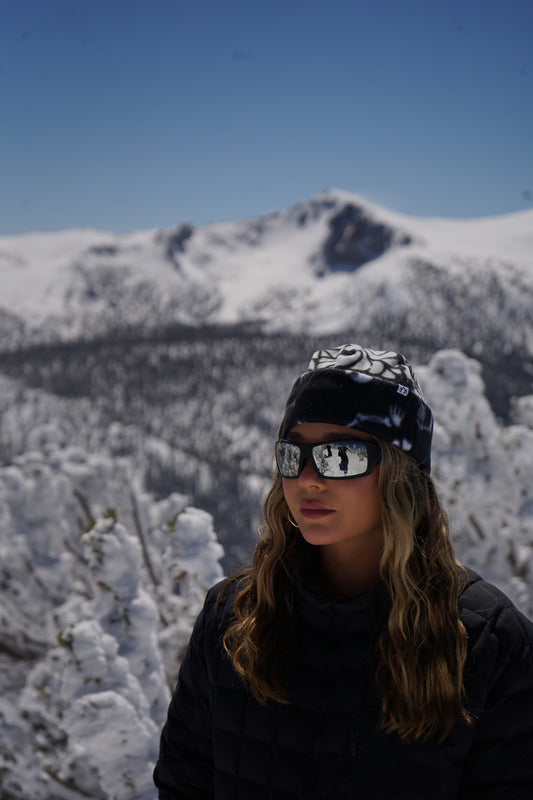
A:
(329, 512)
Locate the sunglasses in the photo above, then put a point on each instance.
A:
(353, 458)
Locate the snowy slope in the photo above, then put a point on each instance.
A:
(318, 266)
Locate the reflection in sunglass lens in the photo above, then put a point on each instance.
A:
(288, 459)
(341, 459)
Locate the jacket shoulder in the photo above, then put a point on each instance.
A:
(488, 613)
(218, 609)
(483, 598)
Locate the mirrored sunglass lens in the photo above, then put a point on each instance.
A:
(288, 458)
(341, 459)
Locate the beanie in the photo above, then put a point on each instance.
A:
(371, 390)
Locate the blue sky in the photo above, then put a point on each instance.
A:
(128, 114)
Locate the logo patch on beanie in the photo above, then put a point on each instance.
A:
(403, 390)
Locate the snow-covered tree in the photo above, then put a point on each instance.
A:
(484, 470)
(90, 615)
(100, 583)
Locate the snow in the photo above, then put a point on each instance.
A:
(100, 580)
(233, 271)
(483, 470)
(82, 618)
(100, 583)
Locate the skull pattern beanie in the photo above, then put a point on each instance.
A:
(372, 391)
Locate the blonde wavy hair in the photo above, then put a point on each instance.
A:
(421, 650)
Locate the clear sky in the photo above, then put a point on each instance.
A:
(129, 114)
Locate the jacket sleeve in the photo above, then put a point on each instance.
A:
(185, 765)
(500, 762)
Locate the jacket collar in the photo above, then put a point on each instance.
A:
(316, 605)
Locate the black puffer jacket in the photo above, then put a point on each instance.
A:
(218, 742)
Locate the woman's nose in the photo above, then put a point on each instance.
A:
(309, 476)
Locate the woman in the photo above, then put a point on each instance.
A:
(355, 658)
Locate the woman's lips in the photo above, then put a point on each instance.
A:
(313, 510)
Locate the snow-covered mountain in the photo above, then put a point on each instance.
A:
(326, 264)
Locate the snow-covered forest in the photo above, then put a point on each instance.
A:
(134, 461)
(100, 585)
